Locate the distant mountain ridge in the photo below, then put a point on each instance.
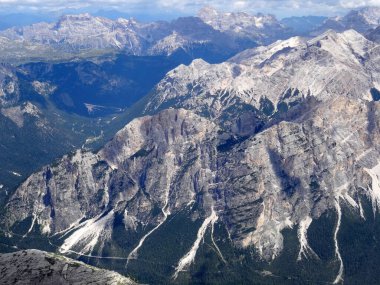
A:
(75, 34)
(361, 20)
(210, 33)
(302, 26)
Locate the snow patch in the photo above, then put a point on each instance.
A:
(361, 211)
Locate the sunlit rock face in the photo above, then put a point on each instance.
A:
(288, 173)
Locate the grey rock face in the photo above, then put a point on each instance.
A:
(153, 162)
(363, 19)
(298, 169)
(278, 178)
(38, 267)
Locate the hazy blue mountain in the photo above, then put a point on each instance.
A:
(361, 20)
(23, 19)
(374, 35)
(303, 25)
(148, 16)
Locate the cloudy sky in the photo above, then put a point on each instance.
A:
(280, 8)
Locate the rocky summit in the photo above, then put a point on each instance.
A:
(38, 267)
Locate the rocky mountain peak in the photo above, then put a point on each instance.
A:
(272, 70)
(349, 47)
(208, 11)
(238, 21)
(76, 17)
(171, 126)
(369, 15)
(127, 22)
(361, 20)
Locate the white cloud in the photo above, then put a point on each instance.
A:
(279, 7)
(351, 4)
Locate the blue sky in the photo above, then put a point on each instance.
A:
(280, 8)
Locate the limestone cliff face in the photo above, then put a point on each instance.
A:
(161, 161)
(298, 169)
(281, 177)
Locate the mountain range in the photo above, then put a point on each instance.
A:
(239, 152)
(213, 35)
(75, 35)
(226, 148)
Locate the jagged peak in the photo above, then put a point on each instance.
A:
(76, 17)
(267, 51)
(184, 124)
(331, 35)
(235, 20)
(210, 11)
(347, 37)
(198, 62)
(72, 19)
(366, 11)
(195, 65)
(352, 34)
(207, 11)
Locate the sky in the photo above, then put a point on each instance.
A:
(280, 8)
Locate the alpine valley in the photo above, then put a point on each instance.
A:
(225, 148)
